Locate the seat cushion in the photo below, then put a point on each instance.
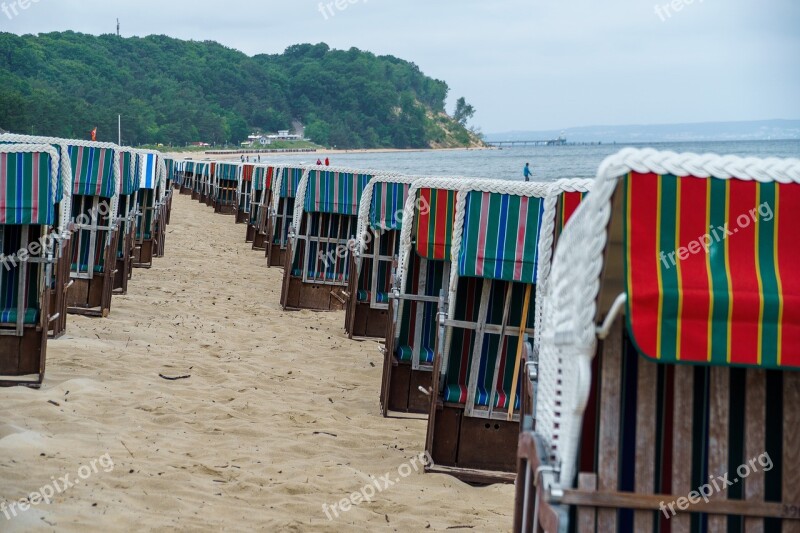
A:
(9, 316)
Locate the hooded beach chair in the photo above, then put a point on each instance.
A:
(127, 209)
(225, 187)
(59, 280)
(423, 272)
(379, 222)
(202, 175)
(324, 226)
(169, 187)
(244, 194)
(263, 177)
(486, 319)
(29, 243)
(150, 224)
(210, 182)
(96, 183)
(187, 177)
(667, 384)
(281, 210)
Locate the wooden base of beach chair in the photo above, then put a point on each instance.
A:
(276, 257)
(475, 450)
(311, 296)
(208, 200)
(195, 195)
(58, 296)
(186, 190)
(22, 359)
(259, 241)
(90, 297)
(223, 209)
(168, 215)
(143, 254)
(250, 234)
(367, 323)
(242, 216)
(401, 391)
(124, 266)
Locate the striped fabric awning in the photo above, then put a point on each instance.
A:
(569, 204)
(130, 178)
(227, 172)
(711, 270)
(247, 172)
(501, 237)
(189, 167)
(388, 201)
(92, 171)
(435, 217)
(26, 189)
(148, 171)
(262, 175)
(335, 192)
(290, 182)
(170, 164)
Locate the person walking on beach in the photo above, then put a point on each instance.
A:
(327, 162)
(527, 172)
(319, 162)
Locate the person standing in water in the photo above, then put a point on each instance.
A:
(527, 172)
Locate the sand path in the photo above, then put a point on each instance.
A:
(279, 417)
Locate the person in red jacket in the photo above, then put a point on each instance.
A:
(327, 162)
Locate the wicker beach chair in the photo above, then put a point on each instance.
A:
(151, 223)
(225, 186)
(667, 391)
(324, 225)
(244, 194)
(379, 222)
(29, 234)
(281, 210)
(127, 209)
(486, 318)
(422, 273)
(263, 178)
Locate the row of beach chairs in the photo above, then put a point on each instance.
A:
(75, 218)
(616, 347)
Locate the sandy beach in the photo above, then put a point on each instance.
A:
(279, 415)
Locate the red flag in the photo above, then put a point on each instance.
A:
(94, 134)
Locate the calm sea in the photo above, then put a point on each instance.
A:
(548, 162)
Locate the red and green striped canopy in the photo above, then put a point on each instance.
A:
(92, 171)
(335, 192)
(501, 237)
(261, 176)
(436, 213)
(388, 201)
(247, 172)
(711, 270)
(569, 204)
(26, 189)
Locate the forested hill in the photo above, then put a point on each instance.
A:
(175, 92)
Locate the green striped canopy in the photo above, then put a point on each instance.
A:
(130, 178)
(501, 237)
(92, 171)
(26, 189)
(388, 201)
(335, 192)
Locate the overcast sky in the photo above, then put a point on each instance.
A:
(523, 64)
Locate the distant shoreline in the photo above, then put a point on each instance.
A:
(321, 151)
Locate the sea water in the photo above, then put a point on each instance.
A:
(548, 162)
